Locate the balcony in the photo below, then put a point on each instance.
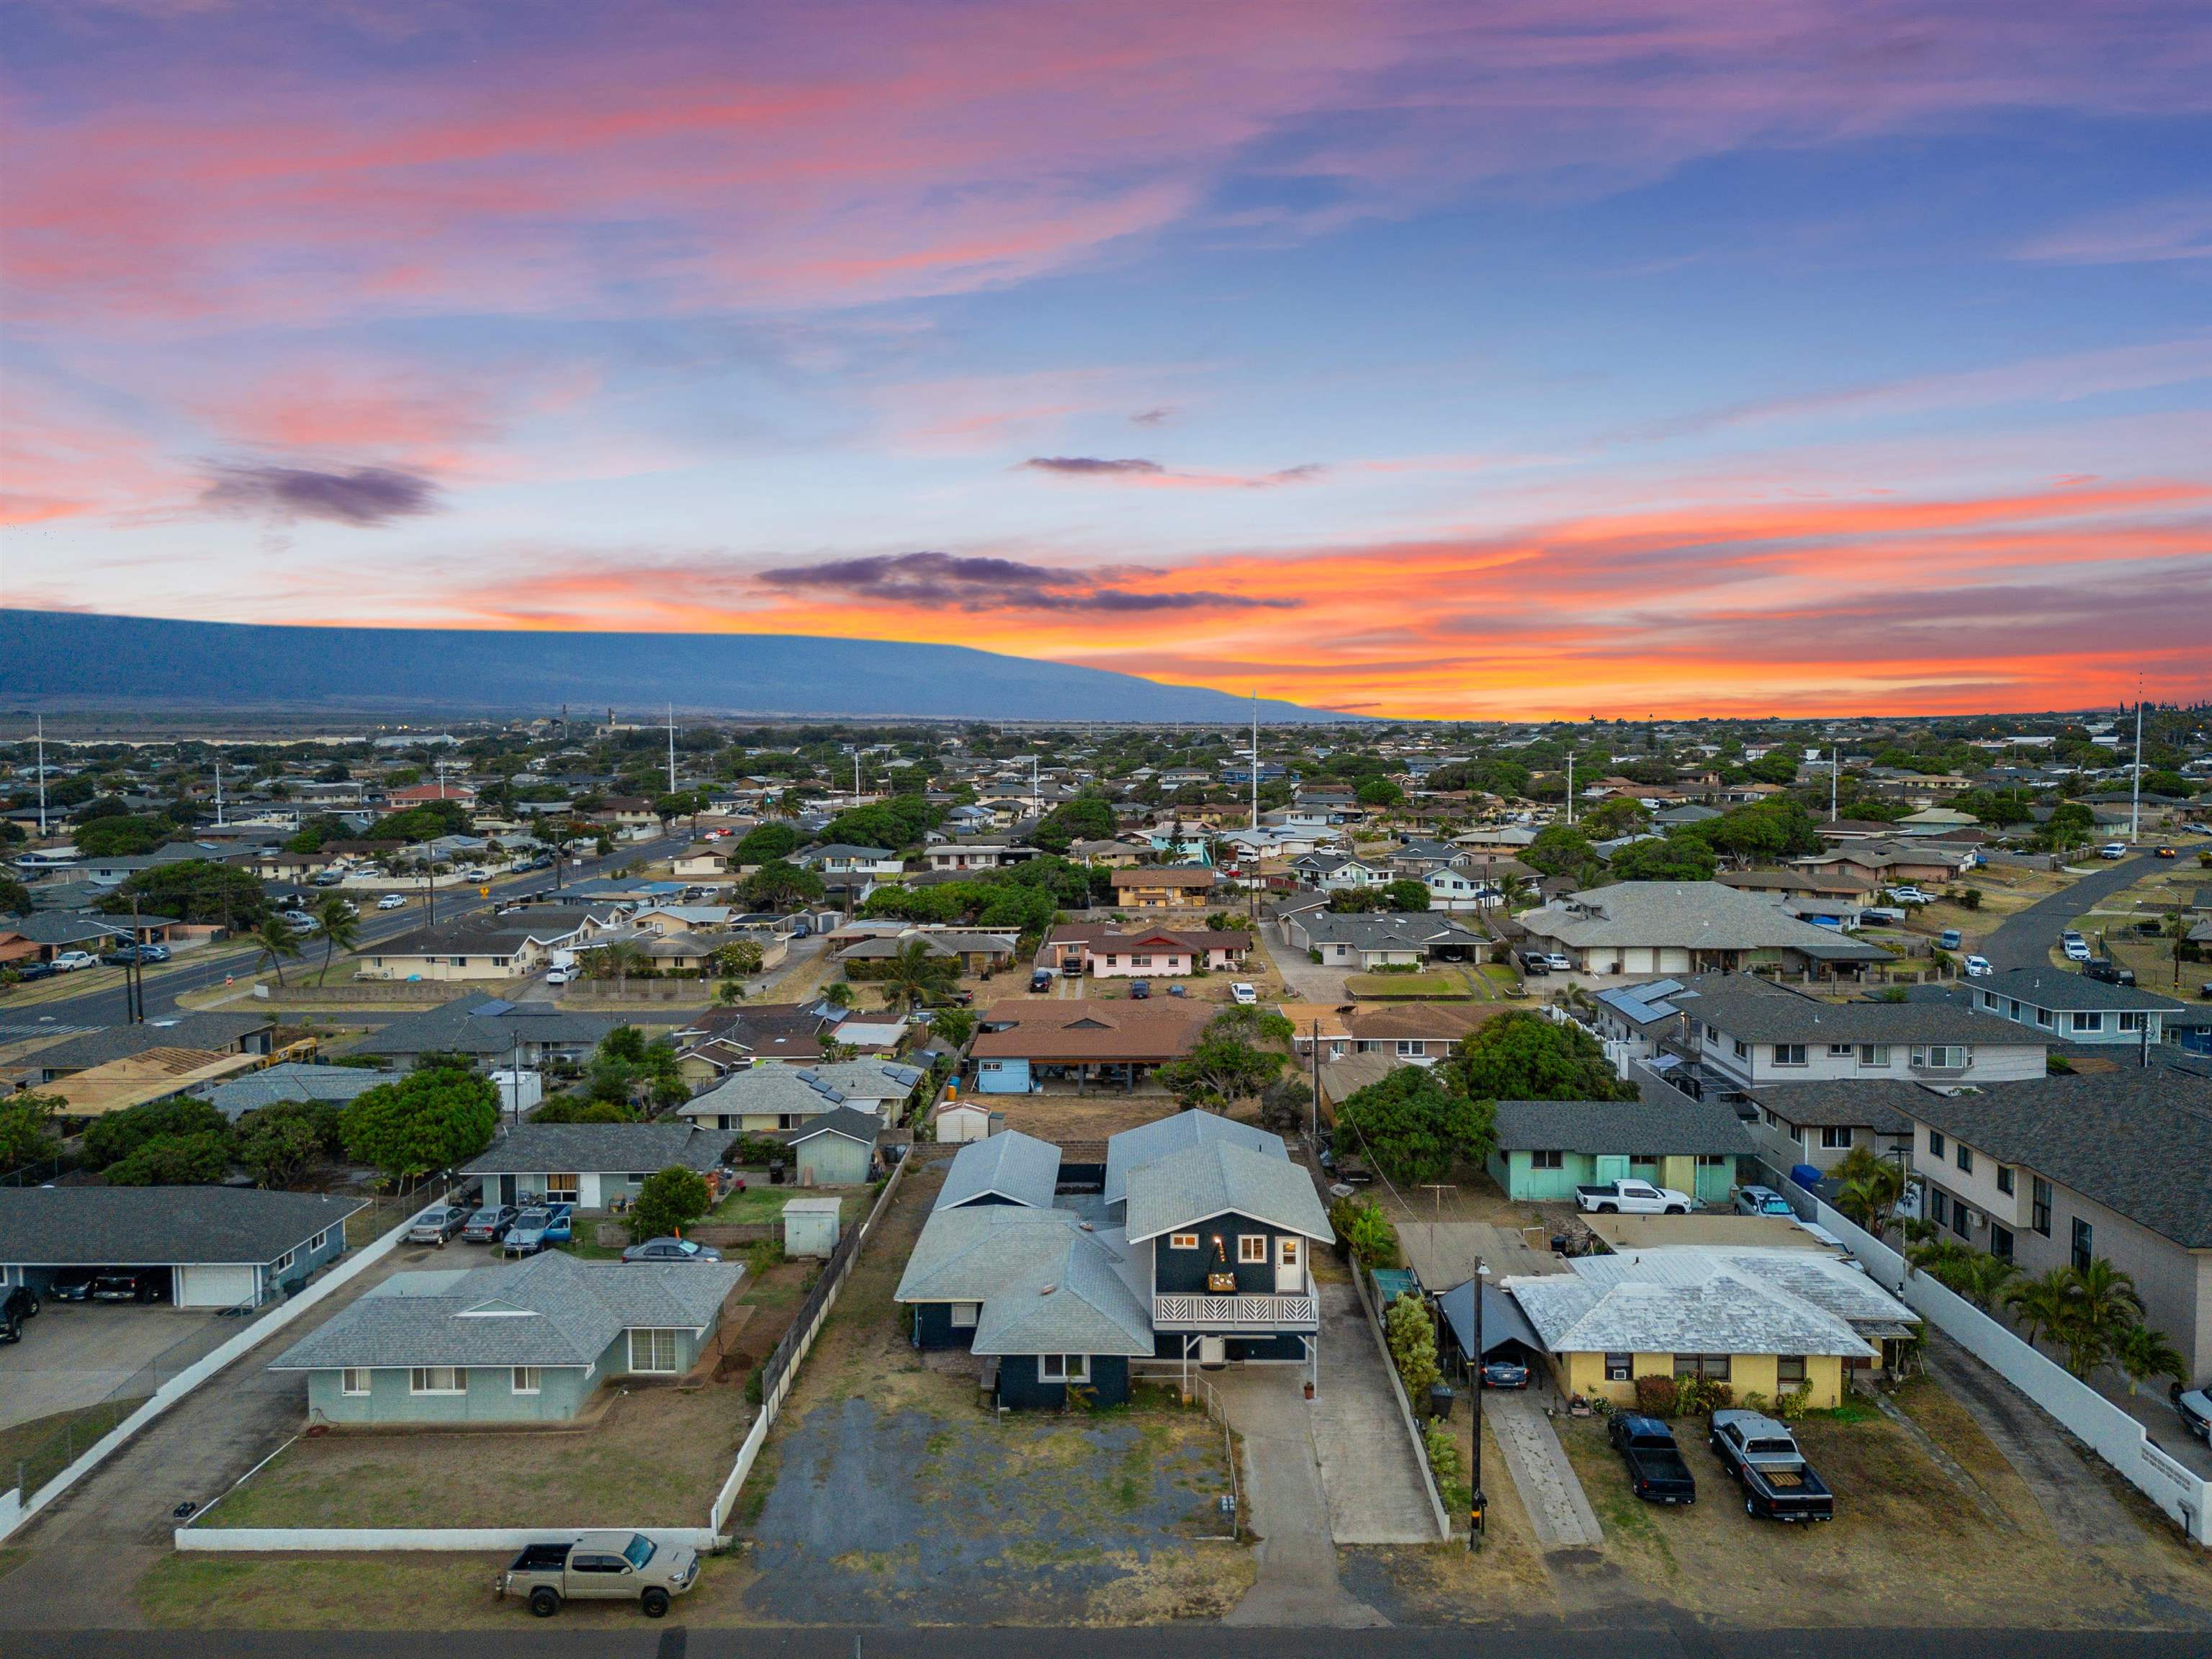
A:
(1234, 1313)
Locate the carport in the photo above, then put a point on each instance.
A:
(221, 1247)
(1505, 1329)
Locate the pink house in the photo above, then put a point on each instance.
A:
(1106, 952)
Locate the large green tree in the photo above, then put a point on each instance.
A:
(1666, 858)
(1227, 1063)
(777, 885)
(667, 1202)
(27, 1130)
(1415, 1126)
(280, 1143)
(1561, 849)
(436, 1119)
(124, 836)
(112, 1138)
(1522, 1055)
(195, 1160)
(195, 891)
(764, 844)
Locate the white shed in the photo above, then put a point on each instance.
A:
(967, 1120)
(810, 1226)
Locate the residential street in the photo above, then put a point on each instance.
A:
(2025, 938)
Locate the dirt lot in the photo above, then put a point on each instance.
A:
(1907, 1537)
(1065, 1118)
(2005, 889)
(887, 1493)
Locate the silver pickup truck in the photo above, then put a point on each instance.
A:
(601, 1566)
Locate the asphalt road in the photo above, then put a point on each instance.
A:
(202, 968)
(2025, 938)
(1534, 1640)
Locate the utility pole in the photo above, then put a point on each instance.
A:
(1835, 762)
(134, 973)
(42, 777)
(218, 788)
(1571, 783)
(1476, 1507)
(2134, 798)
(671, 750)
(1313, 1106)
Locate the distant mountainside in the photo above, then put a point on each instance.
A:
(52, 659)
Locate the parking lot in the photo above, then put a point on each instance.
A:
(76, 1353)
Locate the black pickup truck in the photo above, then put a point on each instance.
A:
(1657, 1472)
(1763, 1456)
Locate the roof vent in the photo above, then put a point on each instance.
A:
(1047, 1290)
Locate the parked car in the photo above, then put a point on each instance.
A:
(601, 1566)
(1534, 963)
(539, 1228)
(1909, 895)
(2194, 1405)
(1631, 1198)
(2113, 849)
(2103, 968)
(71, 1285)
(490, 1224)
(1505, 1374)
(18, 1303)
(2077, 949)
(2168, 853)
(1559, 962)
(123, 955)
(1763, 1456)
(671, 1249)
(126, 1285)
(1951, 938)
(1041, 980)
(1140, 989)
(28, 971)
(1244, 995)
(562, 975)
(392, 902)
(68, 962)
(302, 922)
(439, 1224)
(1980, 968)
(1762, 1200)
(1881, 913)
(1656, 1471)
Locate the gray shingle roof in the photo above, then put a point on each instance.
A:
(549, 1310)
(213, 1033)
(1698, 916)
(1010, 1165)
(1219, 1178)
(601, 1148)
(1149, 1142)
(759, 1090)
(2062, 992)
(1045, 1284)
(159, 1226)
(863, 1127)
(2137, 1140)
(1725, 1312)
(1758, 1011)
(1827, 1281)
(1665, 1123)
(289, 1082)
(456, 1027)
(1882, 1104)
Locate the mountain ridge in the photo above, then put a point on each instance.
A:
(50, 657)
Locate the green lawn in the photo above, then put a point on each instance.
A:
(1431, 987)
(763, 1204)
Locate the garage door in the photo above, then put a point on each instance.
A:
(216, 1287)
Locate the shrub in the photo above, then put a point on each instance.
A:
(1656, 1396)
(1412, 1344)
(1363, 1226)
(1791, 1404)
(1443, 1455)
(1970, 898)
(1754, 1400)
(667, 1202)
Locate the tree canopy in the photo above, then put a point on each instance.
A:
(764, 844)
(667, 1202)
(429, 1119)
(196, 890)
(1666, 858)
(1521, 1056)
(1415, 1126)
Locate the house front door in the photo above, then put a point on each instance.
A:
(1290, 1266)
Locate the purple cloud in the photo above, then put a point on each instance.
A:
(985, 584)
(366, 496)
(1093, 466)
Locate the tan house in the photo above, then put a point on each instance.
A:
(705, 862)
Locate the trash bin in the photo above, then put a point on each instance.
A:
(1440, 1401)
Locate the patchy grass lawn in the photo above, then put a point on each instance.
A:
(1907, 1537)
(1066, 1118)
(656, 1458)
(1404, 987)
(45, 1446)
(325, 1592)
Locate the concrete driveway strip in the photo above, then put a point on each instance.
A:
(1297, 1585)
(1558, 1509)
(1377, 1491)
(87, 1553)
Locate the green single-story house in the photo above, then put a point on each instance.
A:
(521, 1344)
(1547, 1148)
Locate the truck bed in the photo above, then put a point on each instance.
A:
(542, 1558)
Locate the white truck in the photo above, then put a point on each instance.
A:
(1631, 1198)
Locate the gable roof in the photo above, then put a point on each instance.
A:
(1758, 1011)
(759, 1090)
(1218, 1178)
(2062, 992)
(275, 1084)
(1698, 916)
(157, 1226)
(601, 1148)
(480, 1025)
(1047, 1282)
(1665, 1123)
(213, 1033)
(549, 1309)
(1053, 1031)
(863, 1127)
(1131, 1149)
(1012, 1165)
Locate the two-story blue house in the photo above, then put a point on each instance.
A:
(2072, 1008)
(1197, 1252)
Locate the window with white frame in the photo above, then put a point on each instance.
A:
(1943, 1057)
(1789, 1053)
(1836, 1137)
(1182, 1241)
(562, 1187)
(1063, 1368)
(964, 1314)
(354, 1379)
(283, 1261)
(1839, 1051)
(523, 1379)
(437, 1379)
(2132, 1022)
(1411, 1048)
(1742, 1049)
(652, 1351)
(319, 1240)
(2082, 1022)
(1874, 1054)
(1252, 1247)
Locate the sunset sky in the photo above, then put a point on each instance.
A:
(1481, 358)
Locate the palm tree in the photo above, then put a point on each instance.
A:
(910, 977)
(1872, 1187)
(617, 962)
(277, 941)
(1982, 1278)
(2101, 1306)
(2143, 1353)
(341, 930)
(2040, 1301)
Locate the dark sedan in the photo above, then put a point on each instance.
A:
(1505, 1374)
(489, 1225)
(128, 1285)
(671, 1249)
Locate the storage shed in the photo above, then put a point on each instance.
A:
(810, 1226)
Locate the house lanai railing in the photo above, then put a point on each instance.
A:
(1260, 1312)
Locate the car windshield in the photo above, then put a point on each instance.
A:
(486, 1215)
(532, 1219)
(639, 1551)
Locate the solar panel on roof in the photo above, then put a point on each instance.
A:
(487, 1009)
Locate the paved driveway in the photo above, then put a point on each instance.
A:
(76, 1354)
(1310, 981)
(2025, 937)
(1369, 1473)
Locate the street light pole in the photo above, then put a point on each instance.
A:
(1476, 1506)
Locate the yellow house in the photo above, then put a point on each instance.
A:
(1154, 887)
(1763, 1320)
